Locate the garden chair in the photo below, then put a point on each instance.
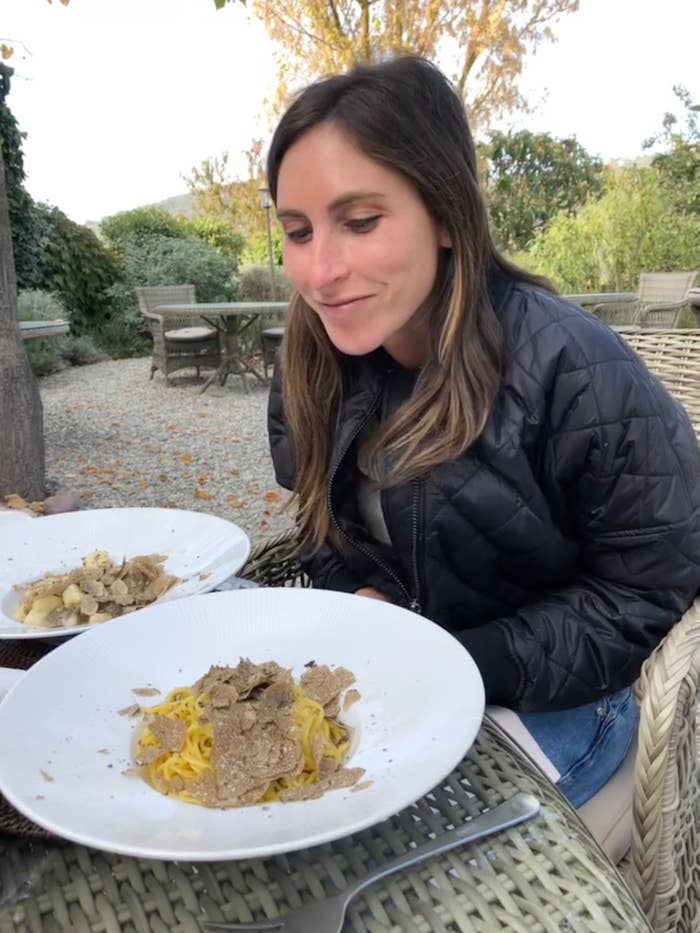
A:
(661, 297)
(180, 342)
(662, 866)
(271, 339)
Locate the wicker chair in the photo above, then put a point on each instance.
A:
(663, 869)
(271, 339)
(180, 342)
(661, 298)
(663, 866)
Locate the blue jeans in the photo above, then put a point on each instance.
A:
(588, 743)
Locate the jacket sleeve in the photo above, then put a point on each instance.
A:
(326, 567)
(623, 458)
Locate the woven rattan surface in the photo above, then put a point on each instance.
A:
(275, 562)
(20, 654)
(664, 869)
(674, 356)
(547, 875)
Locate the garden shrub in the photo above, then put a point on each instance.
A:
(55, 353)
(23, 218)
(254, 283)
(37, 305)
(139, 226)
(125, 333)
(218, 234)
(634, 227)
(189, 261)
(77, 267)
(256, 249)
(529, 178)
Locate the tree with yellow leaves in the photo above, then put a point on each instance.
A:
(480, 44)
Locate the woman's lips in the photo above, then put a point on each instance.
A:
(339, 308)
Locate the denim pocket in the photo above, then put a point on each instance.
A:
(613, 730)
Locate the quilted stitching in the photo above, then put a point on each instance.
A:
(562, 547)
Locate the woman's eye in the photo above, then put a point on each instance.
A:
(298, 236)
(363, 224)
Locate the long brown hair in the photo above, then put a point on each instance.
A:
(406, 115)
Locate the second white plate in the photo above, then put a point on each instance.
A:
(201, 549)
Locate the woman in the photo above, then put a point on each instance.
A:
(460, 440)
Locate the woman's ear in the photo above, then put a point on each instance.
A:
(444, 238)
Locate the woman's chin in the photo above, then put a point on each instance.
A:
(352, 344)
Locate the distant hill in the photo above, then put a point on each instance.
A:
(638, 162)
(177, 204)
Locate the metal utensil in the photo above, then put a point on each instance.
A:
(327, 916)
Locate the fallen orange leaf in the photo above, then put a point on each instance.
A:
(272, 496)
(141, 485)
(234, 472)
(203, 494)
(203, 479)
(16, 502)
(186, 458)
(163, 477)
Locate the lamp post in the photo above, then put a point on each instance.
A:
(266, 202)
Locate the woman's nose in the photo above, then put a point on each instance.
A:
(328, 265)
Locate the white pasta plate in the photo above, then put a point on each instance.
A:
(200, 549)
(64, 747)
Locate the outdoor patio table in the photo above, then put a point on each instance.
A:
(232, 320)
(547, 874)
(601, 298)
(35, 330)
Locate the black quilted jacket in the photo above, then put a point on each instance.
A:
(562, 546)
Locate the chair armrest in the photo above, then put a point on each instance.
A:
(153, 317)
(615, 306)
(275, 562)
(664, 306)
(666, 810)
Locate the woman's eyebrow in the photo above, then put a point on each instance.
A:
(343, 201)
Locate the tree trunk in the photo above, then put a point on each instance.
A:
(22, 467)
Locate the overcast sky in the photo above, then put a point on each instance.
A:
(120, 98)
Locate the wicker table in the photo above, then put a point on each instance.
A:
(546, 875)
(232, 320)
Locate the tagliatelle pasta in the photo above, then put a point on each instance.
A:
(249, 734)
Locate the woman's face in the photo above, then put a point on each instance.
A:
(360, 246)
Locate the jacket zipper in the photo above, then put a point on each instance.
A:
(415, 604)
(411, 600)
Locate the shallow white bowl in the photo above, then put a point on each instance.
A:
(421, 707)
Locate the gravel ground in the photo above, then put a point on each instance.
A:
(115, 438)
